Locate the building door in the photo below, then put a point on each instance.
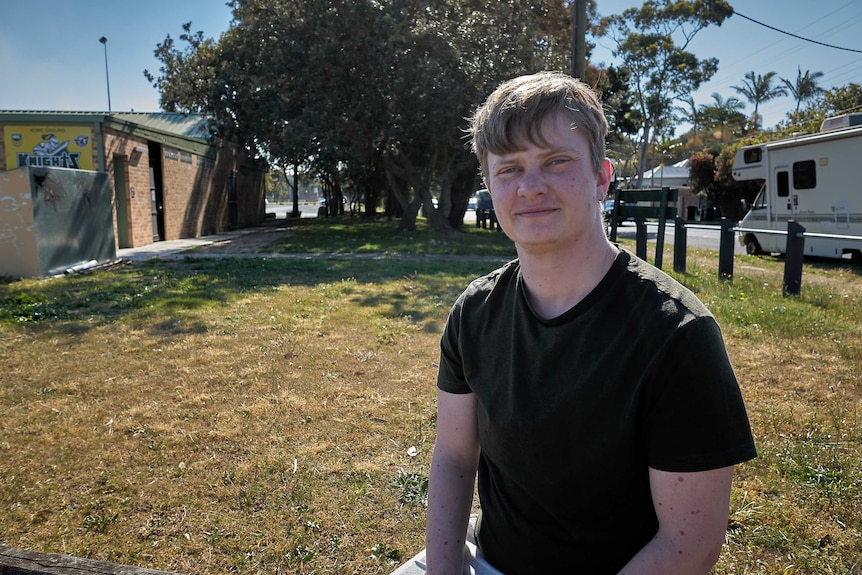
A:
(121, 201)
(157, 193)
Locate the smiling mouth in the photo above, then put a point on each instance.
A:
(536, 212)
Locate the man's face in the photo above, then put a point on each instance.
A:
(546, 196)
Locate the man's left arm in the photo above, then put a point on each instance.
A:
(692, 511)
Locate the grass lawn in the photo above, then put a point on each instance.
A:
(266, 415)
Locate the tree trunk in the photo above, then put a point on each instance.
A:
(408, 220)
(643, 153)
(296, 212)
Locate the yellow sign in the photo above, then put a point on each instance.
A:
(50, 146)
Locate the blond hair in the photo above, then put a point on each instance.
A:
(515, 111)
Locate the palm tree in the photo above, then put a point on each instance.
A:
(805, 86)
(723, 112)
(758, 89)
(692, 114)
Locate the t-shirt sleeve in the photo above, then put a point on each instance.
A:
(450, 374)
(694, 415)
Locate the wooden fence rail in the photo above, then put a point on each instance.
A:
(19, 562)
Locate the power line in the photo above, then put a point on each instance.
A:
(796, 36)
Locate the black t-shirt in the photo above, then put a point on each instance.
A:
(573, 411)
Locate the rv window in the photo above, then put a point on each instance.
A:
(752, 156)
(804, 175)
(782, 188)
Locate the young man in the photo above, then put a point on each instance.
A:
(592, 392)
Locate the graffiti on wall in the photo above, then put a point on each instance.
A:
(49, 146)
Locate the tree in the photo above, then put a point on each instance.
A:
(832, 102)
(723, 115)
(701, 176)
(369, 96)
(661, 70)
(692, 114)
(805, 87)
(710, 175)
(758, 89)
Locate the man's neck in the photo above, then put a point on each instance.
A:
(557, 280)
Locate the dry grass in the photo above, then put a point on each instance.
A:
(255, 415)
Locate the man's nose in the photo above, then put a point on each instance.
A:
(532, 183)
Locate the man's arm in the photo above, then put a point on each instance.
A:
(692, 510)
(450, 487)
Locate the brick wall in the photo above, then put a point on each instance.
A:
(195, 188)
(137, 177)
(196, 193)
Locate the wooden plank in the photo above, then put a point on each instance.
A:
(20, 562)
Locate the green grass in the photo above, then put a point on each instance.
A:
(343, 235)
(277, 415)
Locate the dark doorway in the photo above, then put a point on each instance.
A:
(157, 192)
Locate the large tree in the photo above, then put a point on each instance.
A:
(367, 94)
(652, 42)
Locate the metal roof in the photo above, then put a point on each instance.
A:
(184, 131)
(186, 125)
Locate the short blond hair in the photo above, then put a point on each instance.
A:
(515, 111)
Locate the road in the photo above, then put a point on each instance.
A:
(697, 238)
(310, 211)
(281, 210)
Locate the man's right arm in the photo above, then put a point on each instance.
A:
(450, 488)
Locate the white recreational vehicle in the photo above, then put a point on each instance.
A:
(815, 180)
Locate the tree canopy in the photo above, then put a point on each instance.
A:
(367, 94)
(804, 87)
(758, 89)
(652, 42)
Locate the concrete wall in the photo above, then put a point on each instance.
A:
(18, 254)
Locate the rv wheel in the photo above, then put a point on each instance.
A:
(752, 246)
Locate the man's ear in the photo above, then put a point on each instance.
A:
(604, 178)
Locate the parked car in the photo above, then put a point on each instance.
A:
(607, 212)
(485, 216)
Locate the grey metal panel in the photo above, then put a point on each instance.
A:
(73, 217)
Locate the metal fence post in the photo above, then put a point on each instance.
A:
(793, 257)
(680, 239)
(725, 250)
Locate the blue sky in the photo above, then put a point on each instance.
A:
(51, 58)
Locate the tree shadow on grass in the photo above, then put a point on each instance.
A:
(169, 290)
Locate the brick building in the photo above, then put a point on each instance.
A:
(169, 179)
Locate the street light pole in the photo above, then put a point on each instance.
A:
(104, 42)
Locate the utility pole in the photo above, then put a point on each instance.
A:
(579, 32)
(104, 42)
